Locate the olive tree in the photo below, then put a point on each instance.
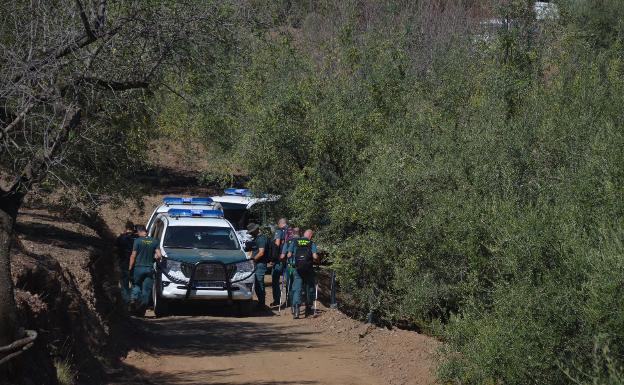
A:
(73, 77)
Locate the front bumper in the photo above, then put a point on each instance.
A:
(172, 290)
(205, 290)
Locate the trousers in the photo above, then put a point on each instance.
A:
(142, 281)
(261, 269)
(278, 270)
(303, 285)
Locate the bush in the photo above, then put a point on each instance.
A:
(459, 181)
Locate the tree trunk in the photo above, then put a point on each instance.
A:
(10, 202)
(8, 310)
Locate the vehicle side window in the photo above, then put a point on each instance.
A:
(151, 220)
(261, 213)
(158, 229)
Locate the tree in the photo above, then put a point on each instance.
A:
(73, 76)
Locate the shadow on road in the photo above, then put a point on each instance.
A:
(212, 309)
(215, 332)
(205, 336)
(217, 377)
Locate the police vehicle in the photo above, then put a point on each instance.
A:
(241, 207)
(203, 260)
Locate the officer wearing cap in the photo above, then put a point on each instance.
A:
(259, 257)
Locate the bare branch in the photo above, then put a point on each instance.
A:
(179, 94)
(36, 169)
(85, 20)
(100, 20)
(17, 119)
(115, 85)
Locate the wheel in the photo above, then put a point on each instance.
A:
(244, 308)
(161, 305)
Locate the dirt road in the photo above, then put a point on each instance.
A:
(202, 345)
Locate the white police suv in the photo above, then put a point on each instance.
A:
(203, 260)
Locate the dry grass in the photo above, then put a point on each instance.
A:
(65, 373)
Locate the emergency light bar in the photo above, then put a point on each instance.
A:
(187, 201)
(244, 192)
(191, 213)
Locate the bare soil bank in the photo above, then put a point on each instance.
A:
(64, 283)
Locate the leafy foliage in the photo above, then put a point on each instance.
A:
(469, 183)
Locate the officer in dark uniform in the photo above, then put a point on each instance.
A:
(259, 257)
(278, 264)
(124, 249)
(144, 251)
(290, 264)
(304, 280)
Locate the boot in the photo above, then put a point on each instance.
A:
(295, 312)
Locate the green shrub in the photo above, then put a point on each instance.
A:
(471, 187)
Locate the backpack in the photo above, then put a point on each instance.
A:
(290, 234)
(271, 252)
(303, 255)
(125, 243)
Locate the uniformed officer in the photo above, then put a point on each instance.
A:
(304, 251)
(125, 243)
(144, 251)
(278, 265)
(290, 263)
(259, 257)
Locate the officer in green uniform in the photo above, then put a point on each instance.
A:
(278, 264)
(144, 251)
(125, 244)
(303, 280)
(290, 263)
(259, 257)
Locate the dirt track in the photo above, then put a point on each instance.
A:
(199, 345)
(212, 346)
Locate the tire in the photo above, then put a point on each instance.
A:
(244, 308)
(161, 305)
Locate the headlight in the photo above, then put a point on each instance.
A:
(243, 270)
(173, 270)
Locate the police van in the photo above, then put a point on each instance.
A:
(203, 260)
(241, 207)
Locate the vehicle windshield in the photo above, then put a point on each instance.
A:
(200, 237)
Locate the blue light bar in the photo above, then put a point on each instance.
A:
(191, 213)
(244, 192)
(187, 201)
